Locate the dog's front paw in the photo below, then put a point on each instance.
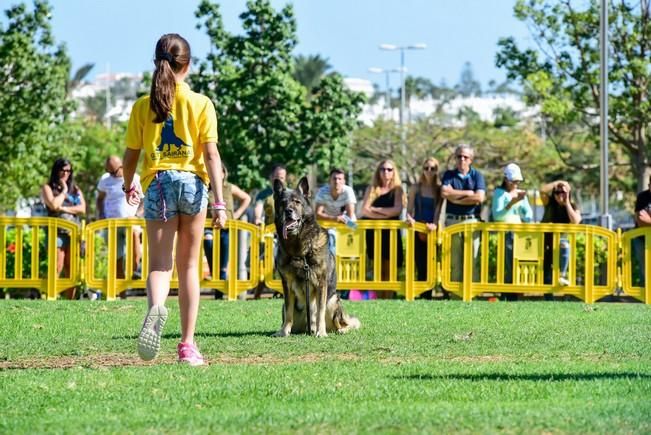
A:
(321, 333)
(281, 333)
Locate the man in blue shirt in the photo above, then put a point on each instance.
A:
(464, 189)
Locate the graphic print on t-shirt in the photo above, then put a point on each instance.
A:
(169, 139)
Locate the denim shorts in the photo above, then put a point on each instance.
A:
(175, 192)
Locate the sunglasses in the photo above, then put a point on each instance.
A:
(462, 157)
(386, 169)
(114, 173)
(429, 168)
(68, 171)
(558, 192)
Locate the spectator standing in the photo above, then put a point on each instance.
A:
(464, 189)
(384, 199)
(424, 205)
(111, 203)
(642, 220)
(263, 210)
(559, 209)
(264, 202)
(231, 193)
(511, 205)
(335, 202)
(63, 199)
(177, 129)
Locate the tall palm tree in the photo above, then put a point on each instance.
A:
(308, 70)
(78, 77)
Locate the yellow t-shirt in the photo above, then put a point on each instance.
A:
(177, 142)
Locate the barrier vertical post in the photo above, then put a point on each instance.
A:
(233, 245)
(409, 265)
(52, 274)
(467, 263)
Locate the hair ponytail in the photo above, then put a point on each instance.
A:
(172, 56)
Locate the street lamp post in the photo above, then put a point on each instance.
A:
(606, 220)
(386, 73)
(403, 133)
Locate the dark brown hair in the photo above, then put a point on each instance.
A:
(172, 55)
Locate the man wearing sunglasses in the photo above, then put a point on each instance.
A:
(464, 190)
(111, 203)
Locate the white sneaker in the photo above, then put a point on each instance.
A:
(152, 328)
(563, 282)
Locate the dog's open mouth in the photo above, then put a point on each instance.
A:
(290, 226)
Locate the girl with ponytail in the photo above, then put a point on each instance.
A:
(177, 130)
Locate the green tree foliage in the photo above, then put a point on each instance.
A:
(438, 135)
(562, 76)
(264, 114)
(34, 72)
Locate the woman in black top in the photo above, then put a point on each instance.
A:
(384, 199)
(559, 209)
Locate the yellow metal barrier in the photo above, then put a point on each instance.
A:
(30, 243)
(15, 232)
(353, 271)
(103, 261)
(594, 277)
(636, 253)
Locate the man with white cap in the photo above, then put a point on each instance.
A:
(510, 205)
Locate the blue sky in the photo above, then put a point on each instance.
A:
(122, 33)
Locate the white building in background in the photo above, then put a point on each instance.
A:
(123, 86)
(484, 106)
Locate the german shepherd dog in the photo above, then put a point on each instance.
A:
(306, 267)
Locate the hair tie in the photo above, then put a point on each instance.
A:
(166, 56)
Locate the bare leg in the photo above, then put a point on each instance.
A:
(187, 266)
(160, 241)
(137, 249)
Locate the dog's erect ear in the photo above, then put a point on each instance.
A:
(304, 187)
(279, 187)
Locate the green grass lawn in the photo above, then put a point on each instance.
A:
(525, 367)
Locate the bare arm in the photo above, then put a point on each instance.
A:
(244, 199)
(546, 190)
(76, 209)
(52, 201)
(642, 218)
(462, 197)
(99, 204)
(214, 167)
(350, 211)
(367, 210)
(574, 215)
(321, 214)
(397, 205)
(257, 212)
(411, 206)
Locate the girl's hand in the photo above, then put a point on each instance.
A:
(431, 226)
(64, 188)
(132, 197)
(219, 219)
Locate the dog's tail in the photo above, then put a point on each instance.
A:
(352, 322)
(342, 321)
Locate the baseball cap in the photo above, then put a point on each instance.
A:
(512, 172)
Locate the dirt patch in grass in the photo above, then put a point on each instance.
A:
(127, 360)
